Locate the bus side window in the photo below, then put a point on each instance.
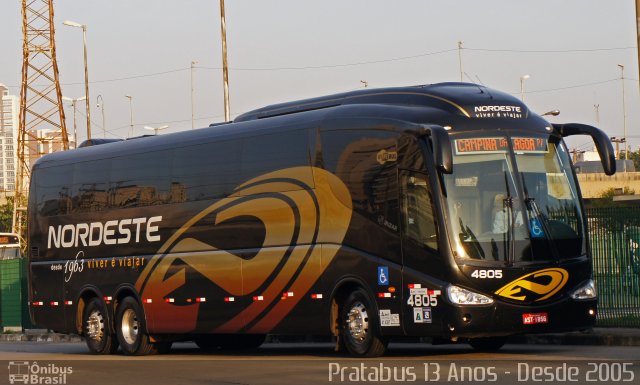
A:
(52, 199)
(419, 222)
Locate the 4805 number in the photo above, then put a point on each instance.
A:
(419, 300)
(487, 274)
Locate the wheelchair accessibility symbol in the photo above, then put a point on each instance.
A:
(383, 276)
(536, 229)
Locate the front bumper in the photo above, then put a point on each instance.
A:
(502, 318)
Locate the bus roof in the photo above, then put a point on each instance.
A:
(435, 103)
(455, 98)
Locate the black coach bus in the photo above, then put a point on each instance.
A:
(447, 210)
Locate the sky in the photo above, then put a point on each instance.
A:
(290, 49)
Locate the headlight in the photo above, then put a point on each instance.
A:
(460, 296)
(586, 291)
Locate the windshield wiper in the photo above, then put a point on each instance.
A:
(469, 238)
(510, 246)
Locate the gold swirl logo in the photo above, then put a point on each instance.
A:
(383, 156)
(303, 210)
(536, 286)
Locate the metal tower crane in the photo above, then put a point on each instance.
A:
(42, 126)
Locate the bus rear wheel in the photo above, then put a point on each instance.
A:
(97, 331)
(488, 344)
(131, 330)
(359, 327)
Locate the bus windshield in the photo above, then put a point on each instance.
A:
(513, 199)
(9, 246)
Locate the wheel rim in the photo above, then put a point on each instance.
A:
(358, 322)
(130, 326)
(95, 326)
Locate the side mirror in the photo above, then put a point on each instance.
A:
(603, 144)
(442, 153)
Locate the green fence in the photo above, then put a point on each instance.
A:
(13, 295)
(615, 242)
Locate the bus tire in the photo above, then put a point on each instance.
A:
(359, 326)
(488, 344)
(97, 330)
(131, 329)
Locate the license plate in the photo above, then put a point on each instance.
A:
(535, 318)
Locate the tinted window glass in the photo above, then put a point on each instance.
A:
(141, 179)
(90, 189)
(206, 171)
(263, 154)
(366, 163)
(52, 189)
(419, 222)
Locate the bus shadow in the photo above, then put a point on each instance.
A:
(396, 350)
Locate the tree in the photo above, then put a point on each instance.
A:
(606, 196)
(6, 216)
(634, 156)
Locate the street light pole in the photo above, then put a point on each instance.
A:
(460, 59)
(193, 111)
(225, 69)
(130, 113)
(86, 73)
(156, 129)
(624, 118)
(522, 79)
(100, 104)
(75, 128)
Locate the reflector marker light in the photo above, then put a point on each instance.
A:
(316, 296)
(415, 286)
(108, 298)
(148, 300)
(201, 299)
(384, 295)
(258, 298)
(54, 303)
(229, 299)
(37, 303)
(434, 292)
(169, 300)
(68, 303)
(286, 294)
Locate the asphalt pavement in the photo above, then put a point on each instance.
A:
(595, 336)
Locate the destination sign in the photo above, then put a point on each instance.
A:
(529, 145)
(500, 145)
(6, 240)
(481, 145)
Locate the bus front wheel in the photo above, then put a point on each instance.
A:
(359, 327)
(97, 331)
(131, 329)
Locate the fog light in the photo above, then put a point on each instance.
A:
(592, 312)
(466, 318)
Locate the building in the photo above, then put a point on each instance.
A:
(9, 118)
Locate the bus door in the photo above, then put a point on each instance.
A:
(421, 295)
